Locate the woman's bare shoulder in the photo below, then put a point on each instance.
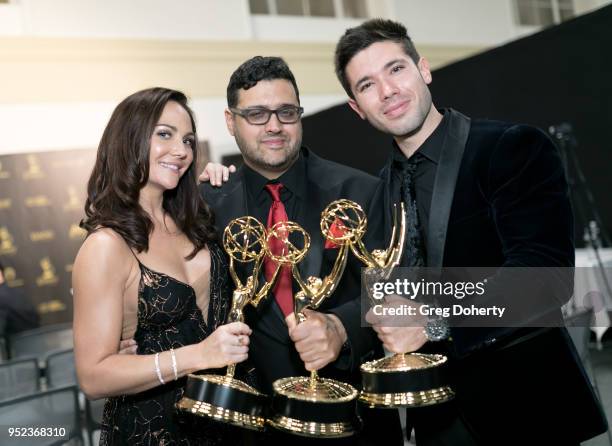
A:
(104, 249)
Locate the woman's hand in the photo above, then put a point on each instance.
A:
(128, 347)
(228, 344)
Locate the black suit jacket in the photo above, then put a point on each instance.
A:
(500, 199)
(271, 349)
(17, 313)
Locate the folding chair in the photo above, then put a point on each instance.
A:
(41, 341)
(579, 327)
(18, 378)
(3, 350)
(57, 409)
(60, 370)
(93, 416)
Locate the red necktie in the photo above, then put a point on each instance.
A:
(283, 288)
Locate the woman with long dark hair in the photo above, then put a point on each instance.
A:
(150, 269)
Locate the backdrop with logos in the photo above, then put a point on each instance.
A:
(41, 204)
(42, 198)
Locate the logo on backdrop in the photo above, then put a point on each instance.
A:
(5, 203)
(42, 236)
(7, 245)
(51, 306)
(76, 232)
(4, 174)
(11, 277)
(37, 201)
(48, 276)
(34, 170)
(73, 204)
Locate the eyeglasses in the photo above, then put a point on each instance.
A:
(289, 114)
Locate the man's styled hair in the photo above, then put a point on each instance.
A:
(257, 69)
(359, 38)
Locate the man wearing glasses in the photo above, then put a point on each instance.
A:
(281, 180)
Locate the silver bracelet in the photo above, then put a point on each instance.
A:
(174, 364)
(157, 370)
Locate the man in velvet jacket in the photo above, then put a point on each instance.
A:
(487, 194)
(263, 115)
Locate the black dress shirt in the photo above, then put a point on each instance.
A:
(292, 194)
(425, 174)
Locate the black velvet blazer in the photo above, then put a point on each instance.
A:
(500, 198)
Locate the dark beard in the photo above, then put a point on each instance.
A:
(258, 162)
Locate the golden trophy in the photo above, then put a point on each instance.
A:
(399, 380)
(225, 398)
(312, 406)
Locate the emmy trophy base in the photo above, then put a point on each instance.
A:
(408, 380)
(326, 410)
(224, 399)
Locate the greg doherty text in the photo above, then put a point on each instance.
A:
(427, 310)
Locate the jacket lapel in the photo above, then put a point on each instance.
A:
(309, 218)
(385, 174)
(229, 201)
(444, 186)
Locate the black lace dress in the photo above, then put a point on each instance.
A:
(168, 317)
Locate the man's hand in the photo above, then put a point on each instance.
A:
(399, 334)
(318, 340)
(216, 174)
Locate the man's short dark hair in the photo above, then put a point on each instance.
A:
(359, 38)
(257, 69)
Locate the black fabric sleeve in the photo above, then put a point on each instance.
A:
(524, 183)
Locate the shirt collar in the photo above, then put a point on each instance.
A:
(293, 180)
(431, 147)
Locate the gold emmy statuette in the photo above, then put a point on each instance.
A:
(3, 173)
(73, 200)
(399, 380)
(34, 170)
(225, 398)
(312, 406)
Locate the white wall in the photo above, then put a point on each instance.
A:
(300, 29)
(447, 22)
(584, 6)
(45, 124)
(468, 22)
(166, 19)
(65, 126)
(472, 22)
(11, 20)
(180, 19)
